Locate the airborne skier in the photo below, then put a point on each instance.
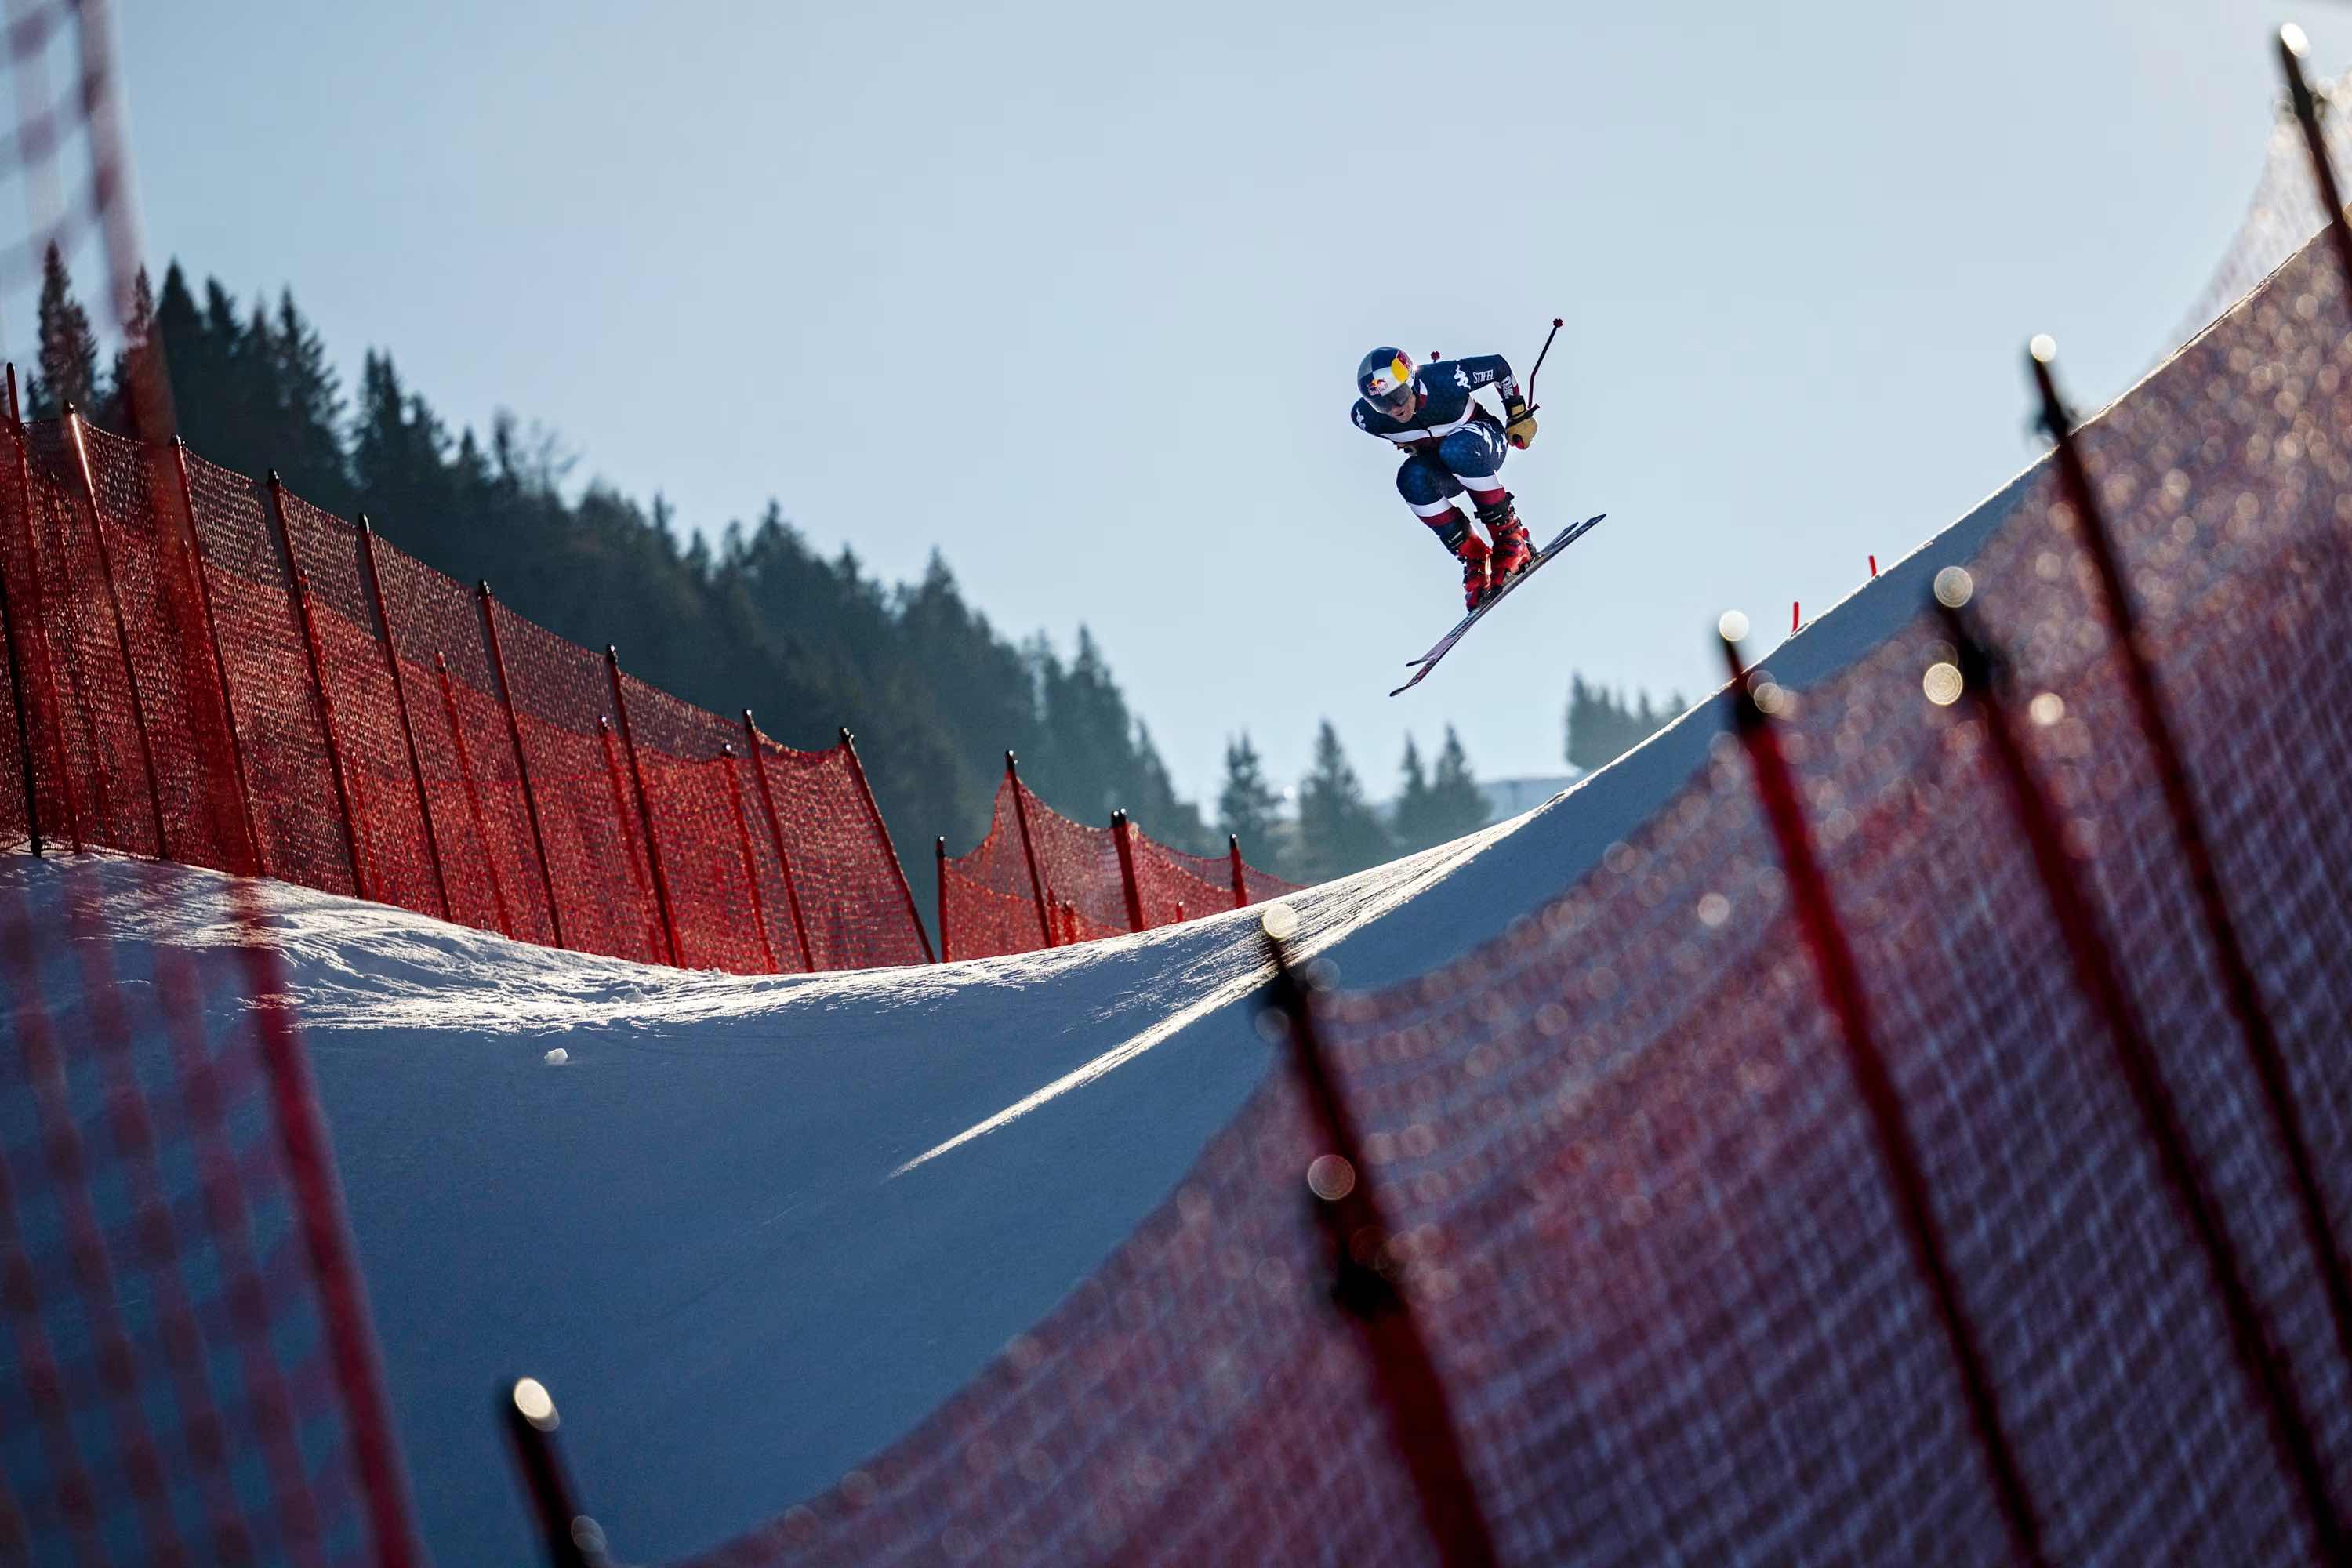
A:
(1456, 446)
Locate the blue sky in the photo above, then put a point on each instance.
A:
(1074, 293)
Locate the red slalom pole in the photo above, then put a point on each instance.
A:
(1234, 859)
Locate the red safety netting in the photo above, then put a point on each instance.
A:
(480, 816)
(280, 739)
(209, 661)
(365, 709)
(1175, 885)
(1637, 1206)
(853, 901)
(186, 1374)
(587, 802)
(989, 903)
(722, 888)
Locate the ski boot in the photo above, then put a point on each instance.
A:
(1453, 531)
(1476, 585)
(1512, 553)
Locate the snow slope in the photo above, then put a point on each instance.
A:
(751, 1230)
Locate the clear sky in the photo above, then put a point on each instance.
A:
(1074, 293)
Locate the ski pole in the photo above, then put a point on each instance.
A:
(1532, 405)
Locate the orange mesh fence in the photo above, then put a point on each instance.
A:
(186, 1374)
(853, 900)
(288, 775)
(1176, 886)
(472, 778)
(587, 812)
(81, 575)
(202, 661)
(1629, 1185)
(721, 895)
(1079, 863)
(989, 903)
(139, 517)
(396, 852)
(37, 711)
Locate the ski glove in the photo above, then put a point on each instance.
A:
(1521, 430)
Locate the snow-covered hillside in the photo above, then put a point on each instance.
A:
(750, 1230)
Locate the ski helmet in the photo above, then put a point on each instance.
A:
(1385, 378)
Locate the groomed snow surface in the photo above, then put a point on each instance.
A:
(749, 1231)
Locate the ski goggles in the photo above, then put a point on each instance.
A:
(1389, 388)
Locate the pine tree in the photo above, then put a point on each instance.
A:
(1411, 823)
(1249, 809)
(68, 348)
(195, 363)
(1456, 804)
(135, 385)
(1338, 832)
(306, 408)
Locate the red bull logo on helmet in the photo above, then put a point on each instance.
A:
(1384, 380)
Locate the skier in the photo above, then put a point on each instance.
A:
(1455, 446)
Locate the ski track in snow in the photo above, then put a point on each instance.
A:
(754, 1228)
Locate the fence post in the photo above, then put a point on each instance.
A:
(1841, 985)
(257, 862)
(121, 634)
(8, 619)
(44, 669)
(299, 586)
(2102, 984)
(2291, 47)
(2172, 773)
(1122, 829)
(1421, 1421)
(882, 836)
(528, 1413)
(473, 795)
(400, 702)
(776, 838)
(1234, 856)
(644, 808)
(522, 763)
(751, 867)
(940, 853)
(656, 938)
(1028, 851)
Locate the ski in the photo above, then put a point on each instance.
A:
(1421, 667)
